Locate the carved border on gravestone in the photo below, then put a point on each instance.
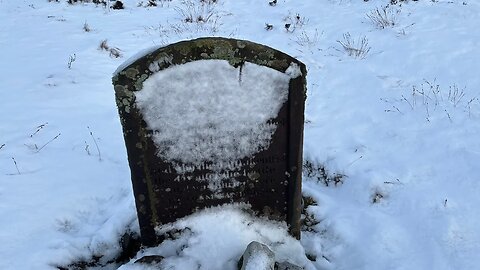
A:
(143, 161)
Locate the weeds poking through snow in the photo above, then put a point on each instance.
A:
(408, 102)
(198, 17)
(394, 2)
(96, 2)
(96, 145)
(469, 106)
(34, 147)
(65, 225)
(86, 27)
(114, 51)
(383, 17)
(40, 127)
(294, 22)
(353, 162)
(309, 221)
(393, 183)
(1, 146)
(396, 109)
(455, 95)
(307, 40)
(43, 146)
(87, 148)
(449, 117)
(104, 45)
(150, 3)
(192, 12)
(72, 59)
(317, 171)
(118, 5)
(377, 197)
(125, 247)
(195, 17)
(430, 97)
(354, 49)
(16, 165)
(268, 26)
(153, 3)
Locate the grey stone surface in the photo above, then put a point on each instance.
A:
(287, 266)
(257, 256)
(151, 259)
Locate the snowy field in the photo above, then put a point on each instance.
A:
(391, 137)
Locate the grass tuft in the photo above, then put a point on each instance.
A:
(356, 49)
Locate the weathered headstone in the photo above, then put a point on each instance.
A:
(213, 121)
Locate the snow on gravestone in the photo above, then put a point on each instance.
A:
(213, 121)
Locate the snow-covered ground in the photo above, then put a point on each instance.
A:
(397, 121)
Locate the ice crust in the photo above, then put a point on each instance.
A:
(210, 111)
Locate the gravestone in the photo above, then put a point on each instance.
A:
(213, 121)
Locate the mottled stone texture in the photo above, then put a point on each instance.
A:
(271, 182)
(257, 256)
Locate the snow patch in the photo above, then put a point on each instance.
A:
(135, 57)
(210, 111)
(293, 71)
(216, 238)
(258, 261)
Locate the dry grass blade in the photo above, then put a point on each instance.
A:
(358, 49)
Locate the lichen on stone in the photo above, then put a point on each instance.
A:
(139, 82)
(184, 50)
(131, 73)
(241, 44)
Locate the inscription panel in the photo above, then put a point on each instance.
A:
(166, 187)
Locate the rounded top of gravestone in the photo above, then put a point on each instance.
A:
(235, 51)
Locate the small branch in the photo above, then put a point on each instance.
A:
(54, 138)
(398, 110)
(354, 49)
(404, 98)
(38, 129)
(86, 27)
(1, 146)
(33, 147)
(427, 110)
(414, 101)
(96, 145)
(393, 183)
(16, 166)
(351, 163)
(449, 116)
(469, 106)
(87, 148)
(72, 59)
